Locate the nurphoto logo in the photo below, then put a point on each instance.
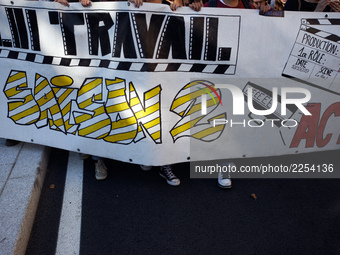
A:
(269, 103)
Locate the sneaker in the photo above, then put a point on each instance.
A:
(145, 168)
(224, 180)
(168, 175)
(101, 170)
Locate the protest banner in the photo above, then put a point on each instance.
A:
(150, 86)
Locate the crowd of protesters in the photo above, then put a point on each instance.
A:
(263, 5)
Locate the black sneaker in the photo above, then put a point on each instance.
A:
(168, 175)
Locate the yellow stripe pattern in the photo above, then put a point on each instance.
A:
(124, 123)
(118, 119)
(187, 104)
(149, 115)
(49, 107)
(63, 97)
(93, 120)
(22, 108)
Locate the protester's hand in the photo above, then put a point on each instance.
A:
(196, 6)
(63, 2)
(335, 5)
(137, 2)
(321, 5)
(264, 8)
(85, 3)
(174, 6)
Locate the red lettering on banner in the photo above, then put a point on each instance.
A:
(333, 109)
(310, 128)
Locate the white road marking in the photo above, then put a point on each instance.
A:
(70, 219)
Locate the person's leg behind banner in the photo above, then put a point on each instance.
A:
(99, 164)
(224, 179)
(100, 168)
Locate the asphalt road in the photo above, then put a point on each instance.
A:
(136, 212)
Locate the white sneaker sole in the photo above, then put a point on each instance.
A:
(224, 187)
(145, 168)
(100, 178)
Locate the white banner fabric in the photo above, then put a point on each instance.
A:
(151, 86)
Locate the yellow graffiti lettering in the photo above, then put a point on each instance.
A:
(96, 123)
(103, 109)
(64, 98)
(22, 108)
(45, 98)
(124, 123)
(149, 114)
(187, 104)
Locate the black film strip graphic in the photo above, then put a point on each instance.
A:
(118, 65)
